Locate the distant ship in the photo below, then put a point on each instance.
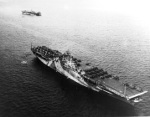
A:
(88, 76)
(25, 12)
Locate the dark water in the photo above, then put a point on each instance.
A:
(30, 89)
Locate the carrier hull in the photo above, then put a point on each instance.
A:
(109, 86)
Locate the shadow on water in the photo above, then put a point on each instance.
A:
(82, 101)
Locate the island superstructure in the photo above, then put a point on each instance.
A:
(90, 76)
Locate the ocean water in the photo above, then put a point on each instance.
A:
(110, 41)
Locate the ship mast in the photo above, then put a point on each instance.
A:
(125, 89)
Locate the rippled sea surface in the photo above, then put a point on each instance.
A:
(108, 41)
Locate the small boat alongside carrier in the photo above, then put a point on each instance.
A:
(90, 76)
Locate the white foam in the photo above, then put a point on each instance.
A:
(24, 62)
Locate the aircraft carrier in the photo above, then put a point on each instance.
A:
(89, 76)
